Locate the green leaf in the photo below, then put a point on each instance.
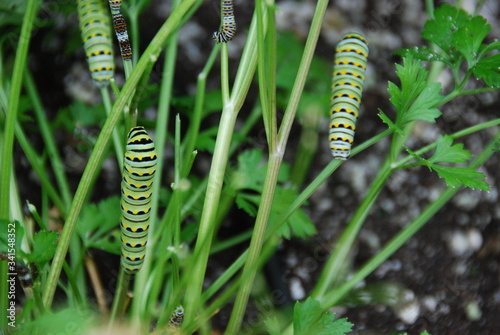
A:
(44, 247)
(447, 153)
(447, 20)
(468, 39)
(97, 220)
(109, 242)
(251, 171)
(66, 321)
(488, 69)
(454, 176)
(248, 202)
(485, 48)
(206, 139)
(309, 318)
(416, 99)
(425, 333)
(458, 176)
(424, 106)
(422, 53)
(273, 326)
(298, 223)
(413, 79)
(389, 123)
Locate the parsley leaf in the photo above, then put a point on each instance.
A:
(488, 69)
(446, 152)
(447, 20)
(422, 53)
(458, 176)
(308, 318)
(97, 220)
(423, 108)
(469, 38)
(413, 81)
(453, 176)
(44, 247)
(297, 224)
(416, 99)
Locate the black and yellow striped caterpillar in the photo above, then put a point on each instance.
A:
(347, 88)
(95, 28)
(228, 23)
(176, 318)
(139, 167)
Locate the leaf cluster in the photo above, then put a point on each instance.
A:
(460, 37)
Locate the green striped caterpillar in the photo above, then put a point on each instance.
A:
(139, 167)
(95, 28)
(347, 88)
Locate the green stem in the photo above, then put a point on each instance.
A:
(343, 245)
(214, 186)
(265, 73)
(275, 158)
(48, 139)
(254, 251)
(40, 170)
(82, 192)
(117, 142)
(195, 121)
(215, 179)
(8, 139)
(120, 295)
(12, 110)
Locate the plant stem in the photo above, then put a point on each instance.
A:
(120, 296)
(117, 142)
(40, 170)
(343, 245)
(12, 110)
(8, 139)
(215, 179)
(48, 139)
(275, 158)
(195, 121)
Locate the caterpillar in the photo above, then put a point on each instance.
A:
(120, 27)
(23, 272)
(347, 87)
(176, 318)
(115, 5)
(139, 167)
(96, 34)
(228, 23)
